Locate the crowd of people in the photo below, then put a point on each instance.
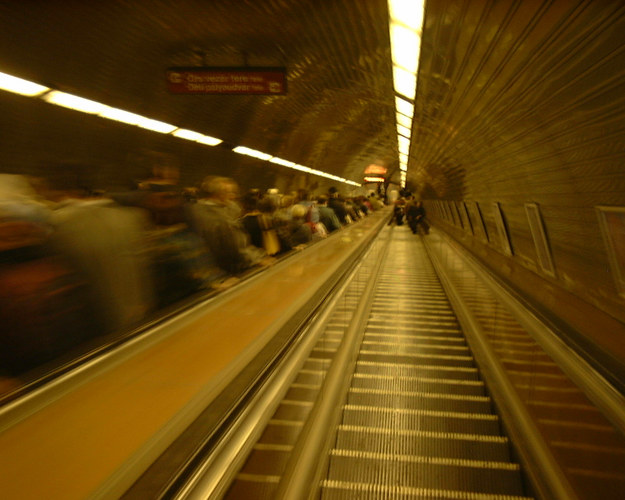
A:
(76, 265)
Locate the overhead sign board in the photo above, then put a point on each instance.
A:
(375, 169)
(244, 80)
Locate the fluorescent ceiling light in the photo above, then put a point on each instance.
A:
(404, 145)
(408, 12)
(403, 158)
(404, 107)
(190, 135)
(119, 115)
(405, 45)
(405, 82)
(405, 131)
(209, 141)
(155, 125)
(74, 102)
(20, 86)
(403, 120)
(252, 152)
(303, 168)
(280, 161)
(403, 167)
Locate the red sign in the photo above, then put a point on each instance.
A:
(226, 80)
(375, 169)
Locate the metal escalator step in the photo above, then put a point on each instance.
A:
(423, 443)
(317, 364)
(422, 420)
(342, 490)
(495, 478)
(430, 359)
(267, 462)
(253, 487)
(412, 322)
(408, 348)
(293, 410)
(419, 400)
(418, 384)
(281, 432)
(310, 377)
(416, 370)
(419, 330)
(422, 339)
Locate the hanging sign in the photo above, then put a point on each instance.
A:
(244, 80)
(375, 169)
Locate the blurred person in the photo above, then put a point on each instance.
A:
(353, 209)
(44, 312)
(304, 199)
(415, 216)
(397, 217)
(336, 203)
(376, 203)
(326, 215)
(298, 232)
(270, 238)
(107, 244)
(250, 218)
(214, 219)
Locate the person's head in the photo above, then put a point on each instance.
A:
(287, 201)
(249, 202)
(322, 200)
(298, 211)
(220, 189)
(267, 205)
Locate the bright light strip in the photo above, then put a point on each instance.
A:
(189, 135)
(20, 86)
(155, 125)
(405, 82)
(404, 107)
(403, 120)
(284, 163)
(74, 102)
(405, 45)
(303, 168)
(209, 141)
(242, 150)
(405, 29)
(405, 131)
(407, 12)
(403, 141)
(120, 115)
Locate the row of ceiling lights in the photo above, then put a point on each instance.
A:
(24, 87)
(405, 26)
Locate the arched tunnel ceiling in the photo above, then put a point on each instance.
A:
(517, 100)
(338, 113)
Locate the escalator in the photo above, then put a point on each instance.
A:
(416, 419)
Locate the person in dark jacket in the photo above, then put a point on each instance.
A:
(415, 215)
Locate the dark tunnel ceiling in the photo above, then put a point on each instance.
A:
(517, 100)
(338, 114)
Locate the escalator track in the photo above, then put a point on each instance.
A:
(416, 421)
